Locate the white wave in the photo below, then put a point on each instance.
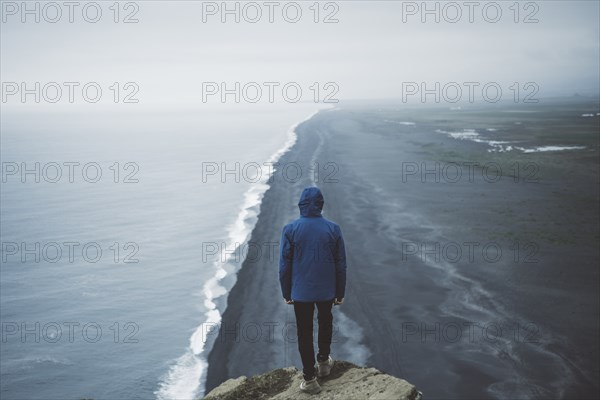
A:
(465, 134)
(186, 378)
(473, 136)
(501, 146)
(589, 115)
(549, 148)
(406, 123)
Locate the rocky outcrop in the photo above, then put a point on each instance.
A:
(346, 381)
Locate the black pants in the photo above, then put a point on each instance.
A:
(304, 324)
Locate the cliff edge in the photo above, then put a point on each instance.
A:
(346, 381)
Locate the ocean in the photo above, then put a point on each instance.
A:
(120, 261)
(463, 256)
(109, 268)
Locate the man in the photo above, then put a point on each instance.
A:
(312, 270)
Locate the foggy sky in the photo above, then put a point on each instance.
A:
(368, 53)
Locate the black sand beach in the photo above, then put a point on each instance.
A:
(483, 286)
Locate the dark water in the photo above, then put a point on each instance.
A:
(519, 324)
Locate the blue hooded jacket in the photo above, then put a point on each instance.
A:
(312, 261)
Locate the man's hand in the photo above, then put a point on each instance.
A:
(288, 301)
(337, 302)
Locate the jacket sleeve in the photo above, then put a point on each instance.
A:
(286, 255)
(340, 267)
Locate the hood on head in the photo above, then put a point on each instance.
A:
(311, 202)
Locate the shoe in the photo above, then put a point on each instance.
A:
(311, 386)
(324, 367)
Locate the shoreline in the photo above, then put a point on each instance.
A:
(388, 297)
(187, 376)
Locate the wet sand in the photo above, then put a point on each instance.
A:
(522, 325)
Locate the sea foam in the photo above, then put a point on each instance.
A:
(186, 378)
